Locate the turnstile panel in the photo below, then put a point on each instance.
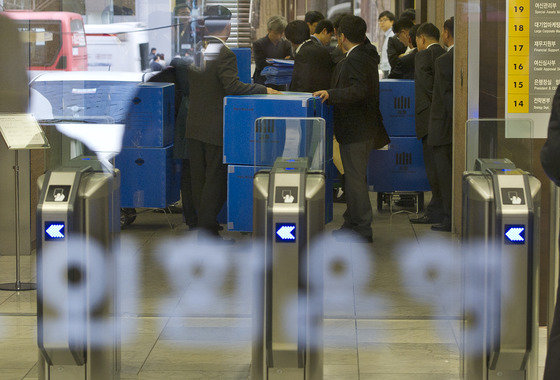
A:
(78, 228)
(500, 220)
(287, 317)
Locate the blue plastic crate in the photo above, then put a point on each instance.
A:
(240, 132)
(150, 177)
(150, 121)
(243, 56)
(240, 196)
(401, 168)
(101, 101)
(396, 102)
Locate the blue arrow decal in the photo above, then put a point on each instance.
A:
(285, 232)
(54, 231)
(515, 234)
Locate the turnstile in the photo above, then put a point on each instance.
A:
(78, 227)
(289, 209)
(501, 208)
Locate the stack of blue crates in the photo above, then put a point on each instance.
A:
(240, 115)
(149, 175)
(401, 167)
(243, 56)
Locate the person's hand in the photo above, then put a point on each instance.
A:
(271, 91)
(323, 94)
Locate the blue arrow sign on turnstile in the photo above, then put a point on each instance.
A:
(285, 232)
(54, 231)
(515, 234)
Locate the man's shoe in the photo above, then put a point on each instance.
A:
(441, 227)
(425, 219)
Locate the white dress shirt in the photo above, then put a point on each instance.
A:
(384, 65)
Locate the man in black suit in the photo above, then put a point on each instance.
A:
(273, 45)
(312, 18)
(409, 13)
(337, 54)
(358, 125)
(429, 49)
(395, 46)
(313, 66)
(177, 73)
(323, 33)
(402, 33)
(208, 87)
(440, 131)
(550, 160)
(405, 64)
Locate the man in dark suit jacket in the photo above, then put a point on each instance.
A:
(313, 66)
(273, 45)
(208, 87)
(402, 66)
(358, 125)
(177, 73)
(440, 131)
(312, 18)
(406, 65)
(323, 34)
(550, 160)
(397, 45)
(337, 54)
(429, 49)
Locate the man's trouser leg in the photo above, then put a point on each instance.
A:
(198, 170)
(214, 192)
(358, 215)
(443, 157)
(435, 207)
(189, 211)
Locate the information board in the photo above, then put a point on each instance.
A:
(21, 131)
(533, 60)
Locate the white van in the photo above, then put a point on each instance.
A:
(121, 46)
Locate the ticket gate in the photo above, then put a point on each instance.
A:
(289, 211)
(78, 225)
(501, 209)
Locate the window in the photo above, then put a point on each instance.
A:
(44, 41)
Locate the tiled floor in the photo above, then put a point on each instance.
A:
(385, 318)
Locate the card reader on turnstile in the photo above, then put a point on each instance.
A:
(288, 212)
(77, 228)
(501, 207)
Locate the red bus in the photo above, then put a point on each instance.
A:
(55, 40)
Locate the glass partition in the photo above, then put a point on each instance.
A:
(500, 138)
(290, 138)
(392, 309)
(83, 116)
